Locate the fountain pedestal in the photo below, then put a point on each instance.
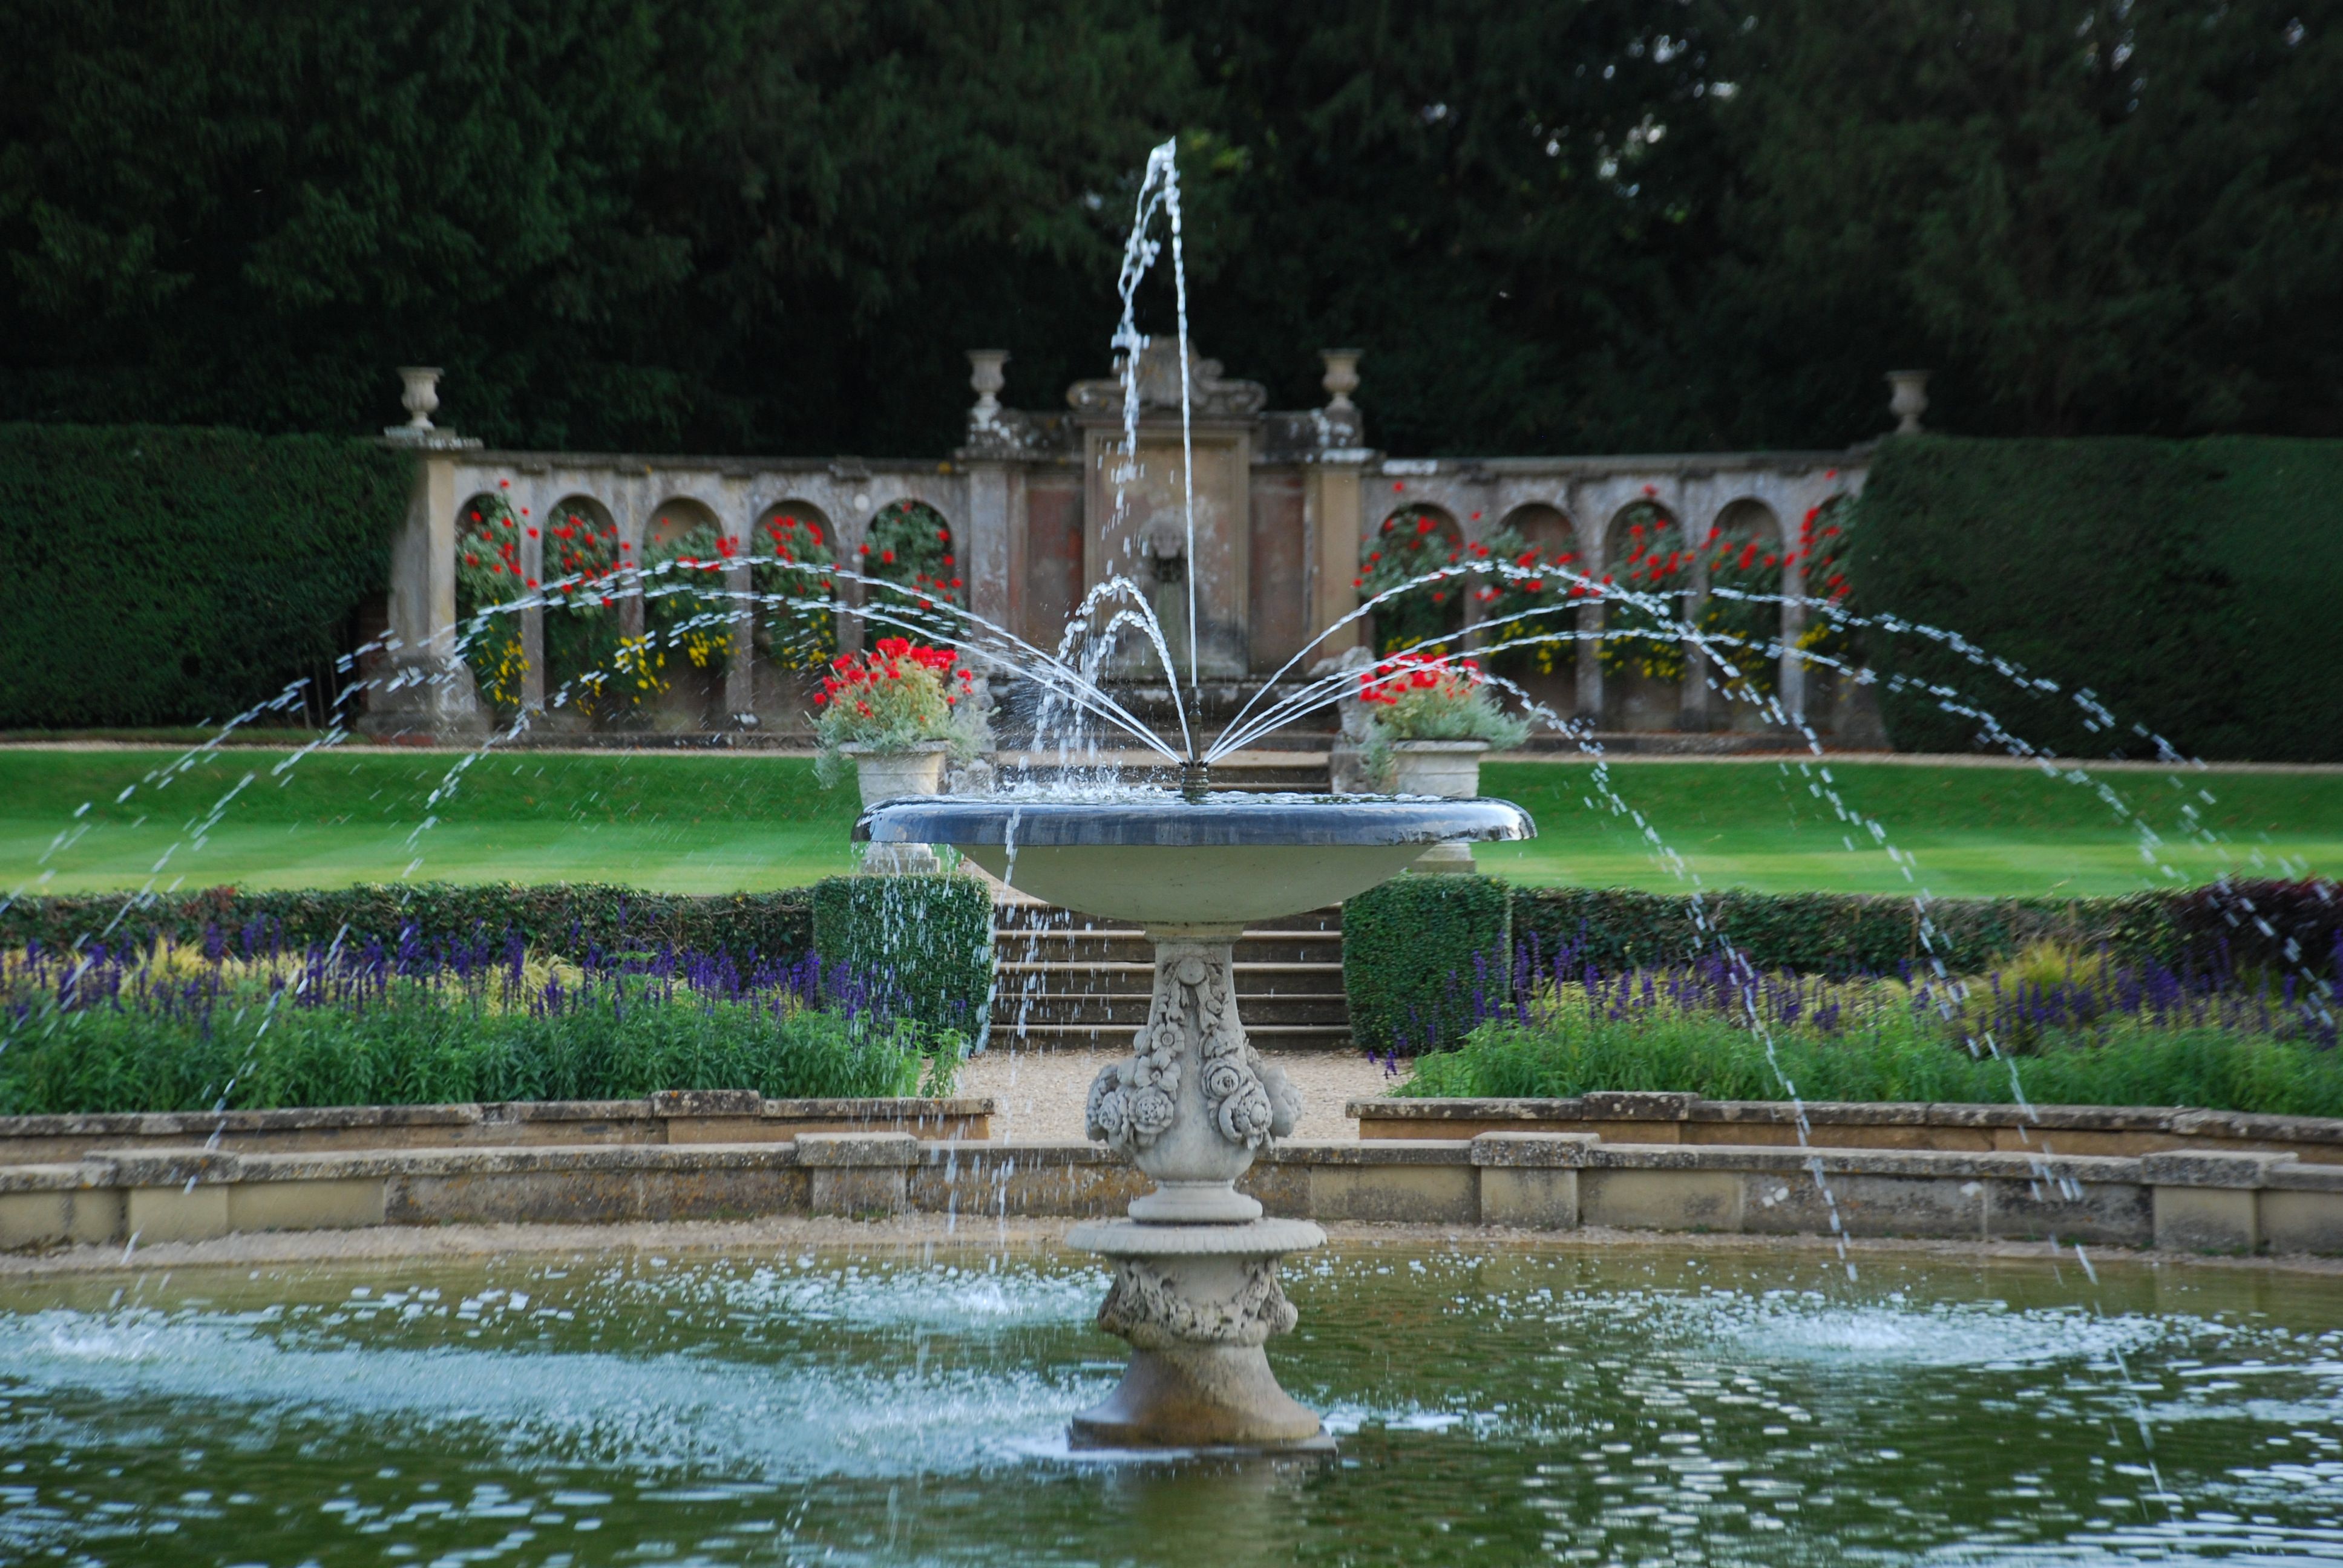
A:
(1195, 1287)
(1197, 1304)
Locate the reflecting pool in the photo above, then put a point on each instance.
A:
(1512, 1405)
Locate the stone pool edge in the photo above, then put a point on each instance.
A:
(2197, 1200)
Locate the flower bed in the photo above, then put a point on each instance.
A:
(253, 1027)
(2050, 1027)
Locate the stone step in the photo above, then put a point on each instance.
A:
(1138, 979)
(1071, 982)
(1254, 772)
(1269, 1038)
(1090, 948)
(1128, 1010)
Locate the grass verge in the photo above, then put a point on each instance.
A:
(699, 822)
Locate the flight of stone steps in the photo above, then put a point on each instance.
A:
(1254, 772)
(1068, 982)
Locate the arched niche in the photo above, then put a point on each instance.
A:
(495, 565)
(1533, 639)
(1410, 542)
(582, 553)
(792, 546)
(1645, 555)
(681, 525)
(1543, 528)
(911, 545)
(1744, 615)
(689, 609)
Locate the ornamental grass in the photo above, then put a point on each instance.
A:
(204, 1028)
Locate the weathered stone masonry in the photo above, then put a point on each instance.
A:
(1284, 502)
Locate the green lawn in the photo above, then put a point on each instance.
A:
(1983, 831)
(678, 822)
(700, 822)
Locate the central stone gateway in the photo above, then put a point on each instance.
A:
(1195, 1266)
(1195, 1288)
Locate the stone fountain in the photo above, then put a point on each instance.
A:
(1195, 1287)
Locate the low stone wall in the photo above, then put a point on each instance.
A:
(2218, 1200)
(674, 1116)
(1687, 1119)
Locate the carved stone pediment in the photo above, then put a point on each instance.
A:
(1211, 396)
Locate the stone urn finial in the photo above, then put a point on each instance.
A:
(1341, 377)
(421, 397)
(986, 377)
(1910, 400)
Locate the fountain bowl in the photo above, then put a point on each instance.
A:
(1165, 863)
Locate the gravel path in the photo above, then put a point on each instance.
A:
(1041, 1094)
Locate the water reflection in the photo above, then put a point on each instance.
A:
(1498, 1406)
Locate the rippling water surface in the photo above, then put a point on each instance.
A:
(1633, 1407)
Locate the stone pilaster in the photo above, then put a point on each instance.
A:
(424, 688)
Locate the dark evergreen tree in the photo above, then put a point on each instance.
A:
(1555, 225)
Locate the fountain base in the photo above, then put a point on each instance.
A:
(1200, 1396)
(1197, 1304)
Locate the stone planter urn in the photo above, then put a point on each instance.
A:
(1448, 768)
(889, 776)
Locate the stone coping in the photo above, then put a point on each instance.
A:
(1639, 1116)
(198, 1166)
(671, 1116)
(2234, 1201)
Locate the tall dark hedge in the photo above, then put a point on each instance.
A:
(565, 918)
(2283, 928)
(2192, 588)
(162, 575)
(929, 937)
(1416, 950)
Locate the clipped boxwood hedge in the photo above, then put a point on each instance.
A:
(2283, 927)
(2190, 586)
(1415, 951)
(567, 919)
(927, 937)
(164, 575)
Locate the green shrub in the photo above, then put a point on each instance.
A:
(158, 575)
(930, 937)
(1415, 952)
(2189, 586)
(567, 920)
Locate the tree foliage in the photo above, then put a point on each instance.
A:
(1560, 225)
